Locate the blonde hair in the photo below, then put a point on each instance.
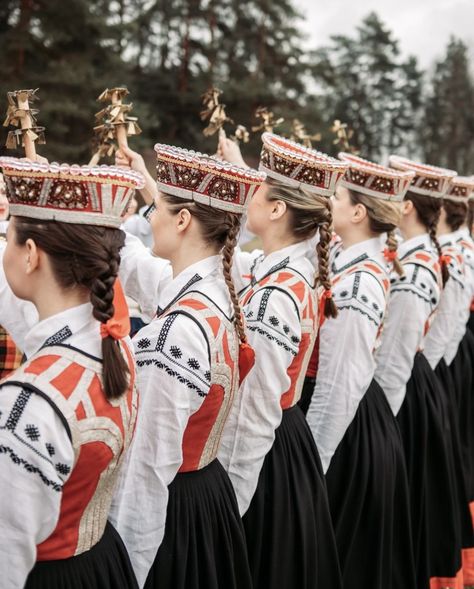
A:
(308, 213)
(384, 217)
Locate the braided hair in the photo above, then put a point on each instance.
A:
(88, 257)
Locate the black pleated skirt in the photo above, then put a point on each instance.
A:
(105, 566)
(453, 442)
(204, 542)
(463, 376)
(435, 525)
(288, 526)
(368, 498)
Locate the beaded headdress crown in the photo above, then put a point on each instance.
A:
(297, 166)
(428, 180)
(205, 179)
(69, 193)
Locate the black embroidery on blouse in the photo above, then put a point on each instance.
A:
(143, 343)
(17, 410)
(58, 337)
(412, 251)
(362, 312)
(50, 449)
(273, 269)
(286, 329)
(29, 467)
(32, 432)
(263, 304)
(191, 281)
(207, 375)
(349, 264)
(274, 320)
(63, 469)
(176, 352)
(174, 374)
(194, 364)
(160, 344)
(272, 338)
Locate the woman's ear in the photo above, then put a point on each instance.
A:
(407, 207)
(32, 256)
(278, 209)
(359, 213)
(183, 219)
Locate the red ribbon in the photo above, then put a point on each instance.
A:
(118, 326)
(390, 255)
(444, 259)
(246, 360)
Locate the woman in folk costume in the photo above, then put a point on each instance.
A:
(441, 347)
(409, 383)
(269, 452)
(176, 508)
(67, 414)
(456, 205)
(354, 427)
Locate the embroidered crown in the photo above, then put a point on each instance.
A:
(69, 193)
(375, 180)
(205, 179)
(461, 189)
(428, 180)
(297, 166)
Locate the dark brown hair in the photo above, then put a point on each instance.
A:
(384, 217)
(222, 229)
(85, 256)
(428, 210)
(456, 213)
(309, 212)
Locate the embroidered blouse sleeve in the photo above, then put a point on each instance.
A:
(16, 316)
(173, 371)
(274, 331)
(442, 333)
(346, 363)
(413, 298)
(36, 458)
(143, 275)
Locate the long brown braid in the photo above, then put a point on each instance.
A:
(87, 257)
(322, 249)
(428, 210)
(220, 228)
(227, 258)
(392, 246)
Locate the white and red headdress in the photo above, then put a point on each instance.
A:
(297, 166)
(375, 180)
(69, 193)
(428, 180)
(461, 189)
(195, 176)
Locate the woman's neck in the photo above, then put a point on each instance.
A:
(49, 303)
(271, 244)
(413, 231)
(353, 238)
(187, 256)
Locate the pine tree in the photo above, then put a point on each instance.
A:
(448, 122)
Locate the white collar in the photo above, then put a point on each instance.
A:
(279, 258)
(461, 233)
(187, 278)
(422, 240)
(369, 248)
(59, 328)
(447, 238)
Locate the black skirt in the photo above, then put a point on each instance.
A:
(288, 525)
(435, 526)
(105, 566)
(470, 323)
(463, 376)
(452, 438)
(204, 542)
(368, 497)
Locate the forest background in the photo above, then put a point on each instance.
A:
(168, 52)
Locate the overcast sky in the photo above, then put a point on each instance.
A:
(423, 27)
